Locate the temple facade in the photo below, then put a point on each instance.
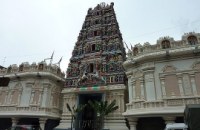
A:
(38, 93)
(162, 79)
(31, 94)
(95, 71)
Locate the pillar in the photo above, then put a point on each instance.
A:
(115, 123)
(42, 122)
(149, 82)
(133, 90)
(130, 89)
(194, 89)
(142, 88)
(169, 119)
(163, 87)
(132, 123)
(180, 85)
(14, 121)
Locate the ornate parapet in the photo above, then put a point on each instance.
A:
(165, 46)
(26, 68)
(187, 50)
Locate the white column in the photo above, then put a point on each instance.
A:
(142, 88)
(132, 123)
(6, 98)
(150, 85)
(14, 121)
(19, 97)
(115, 123)
(130, 89)
(163, 88)
(133, 90)
(45, 96)
(42, 122)
(65, 121)
(194, 89)
(40, 96)
(32, 96)
(169, 119)
(180, 85)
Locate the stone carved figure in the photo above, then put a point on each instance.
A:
(84, 75)
(97, 76)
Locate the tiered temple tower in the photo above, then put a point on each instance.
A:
(95, 71)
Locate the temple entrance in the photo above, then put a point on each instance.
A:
(151, 123)
(87, 118)
(28, 121)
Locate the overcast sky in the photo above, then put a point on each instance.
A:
(30, 30)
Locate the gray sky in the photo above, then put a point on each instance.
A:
(30, 30)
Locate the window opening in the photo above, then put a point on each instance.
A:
(192, 40)
(165, 44)
(91, 68)
(93, 47)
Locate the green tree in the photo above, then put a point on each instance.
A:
(74, 111)
(102, 109)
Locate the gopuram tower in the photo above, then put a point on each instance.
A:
(95, 70)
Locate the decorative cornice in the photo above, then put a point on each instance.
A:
(94, 89)
(25, 69)
(34, 74)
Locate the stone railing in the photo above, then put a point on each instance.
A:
(35, 109)
(181, 101)
(26, 67)
(144, 105)
(168, 102)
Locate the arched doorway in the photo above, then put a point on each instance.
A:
(86, 118)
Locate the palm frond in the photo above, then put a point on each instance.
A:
(68, 107)
(111, 105)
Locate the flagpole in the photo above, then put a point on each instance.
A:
(51, 58)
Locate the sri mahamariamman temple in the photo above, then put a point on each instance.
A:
(151, 83)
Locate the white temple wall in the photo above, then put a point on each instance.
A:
(169, 75)
(183, 69)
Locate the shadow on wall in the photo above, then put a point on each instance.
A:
(5, 123)
(51, 124)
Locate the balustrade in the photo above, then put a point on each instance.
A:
(167, 102)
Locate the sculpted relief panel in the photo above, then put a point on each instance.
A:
(171, 86)
(169, 68)
(36, 93)
(196, 67)
(55, 96)
(181, 83)
(187, 84)
(36, 97)
(15, 97)
(138, 90)
(197, 81)
(15, 94)
(171, 81)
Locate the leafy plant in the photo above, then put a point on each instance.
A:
(102, 108)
